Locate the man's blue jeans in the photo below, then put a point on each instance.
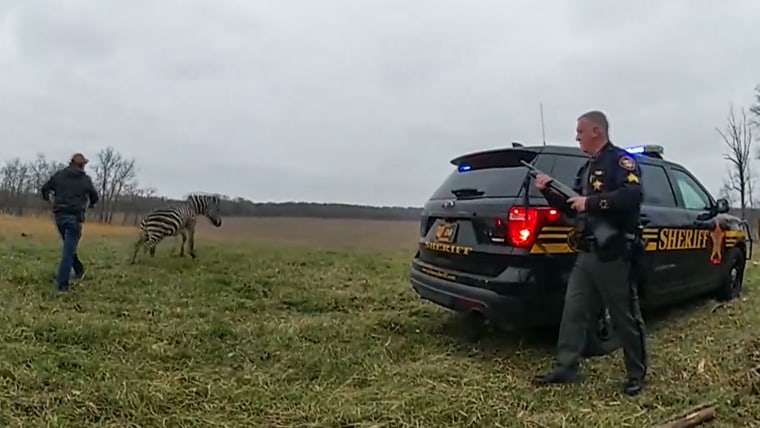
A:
(70, 229)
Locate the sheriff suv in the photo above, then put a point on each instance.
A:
(490, 245)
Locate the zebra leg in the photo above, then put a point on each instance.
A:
(152, 243)
(182, 245)
(191, 242)
(136, 248)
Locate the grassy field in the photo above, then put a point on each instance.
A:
(310, 333)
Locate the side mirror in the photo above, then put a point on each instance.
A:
(722, 206)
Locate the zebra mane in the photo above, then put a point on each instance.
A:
(201, 202)
(213, 197)
(187, 195)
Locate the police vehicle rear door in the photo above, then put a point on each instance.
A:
(694, 241)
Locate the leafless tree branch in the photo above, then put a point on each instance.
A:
(737, 136)
(755, 108)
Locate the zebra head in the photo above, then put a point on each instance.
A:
(208, 205)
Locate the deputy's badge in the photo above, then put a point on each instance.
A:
(632, 178)
(627, 163)
(597, 184)
(604, 204)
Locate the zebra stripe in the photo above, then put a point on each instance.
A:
(179, 219)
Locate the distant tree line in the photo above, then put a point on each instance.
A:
(124, 200)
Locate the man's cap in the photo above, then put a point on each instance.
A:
(79, 159)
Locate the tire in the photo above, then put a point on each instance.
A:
(732, 280)
(601, 338)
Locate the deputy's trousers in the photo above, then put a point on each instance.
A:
(594, 283)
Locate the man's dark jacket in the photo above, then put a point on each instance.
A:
(72, 188)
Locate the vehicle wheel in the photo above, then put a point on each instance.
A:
(601, 338)
(733, 279)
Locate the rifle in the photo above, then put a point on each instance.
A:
(603, 232)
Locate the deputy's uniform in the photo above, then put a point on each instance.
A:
(611, 181)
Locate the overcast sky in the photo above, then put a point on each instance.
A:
(331, 100)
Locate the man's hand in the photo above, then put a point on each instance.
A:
(542, 180)
(577, 203)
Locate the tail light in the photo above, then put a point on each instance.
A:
(523, 224)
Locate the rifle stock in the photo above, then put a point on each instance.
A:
(601, 229)
(555, 185)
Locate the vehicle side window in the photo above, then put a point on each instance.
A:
(694, 198)
(656, 186)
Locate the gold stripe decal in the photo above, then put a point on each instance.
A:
(664, 239)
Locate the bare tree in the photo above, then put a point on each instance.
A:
(755, 109)
(123, 178)
(137, 202)
(113, 175)
(737, 137)
(14, 186)
(102, 170)
(39, 171)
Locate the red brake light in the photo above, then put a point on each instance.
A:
(524, 223)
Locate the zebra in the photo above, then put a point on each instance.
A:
(176, 220)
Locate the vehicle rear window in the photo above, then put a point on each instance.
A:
(502, 175)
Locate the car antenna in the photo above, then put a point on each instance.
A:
(543, 128)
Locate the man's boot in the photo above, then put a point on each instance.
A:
(558, 375)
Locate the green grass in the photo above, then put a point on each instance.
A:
(251, 335)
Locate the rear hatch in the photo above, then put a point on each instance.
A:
(480, 221)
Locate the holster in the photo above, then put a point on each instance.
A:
(614, 248)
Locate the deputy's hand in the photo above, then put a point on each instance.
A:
(577, 203)
(542, 180)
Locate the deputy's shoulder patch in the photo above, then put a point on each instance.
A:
(627, 163)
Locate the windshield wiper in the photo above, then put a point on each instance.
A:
(467, 191)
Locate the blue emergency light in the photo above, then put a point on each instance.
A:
(464, 167)
(651, 150)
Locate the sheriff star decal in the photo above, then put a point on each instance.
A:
(632, 178)
(627, 163)
(717, 234)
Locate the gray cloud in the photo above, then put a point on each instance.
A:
(327, 100)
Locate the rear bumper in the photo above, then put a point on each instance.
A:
(532, 309)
